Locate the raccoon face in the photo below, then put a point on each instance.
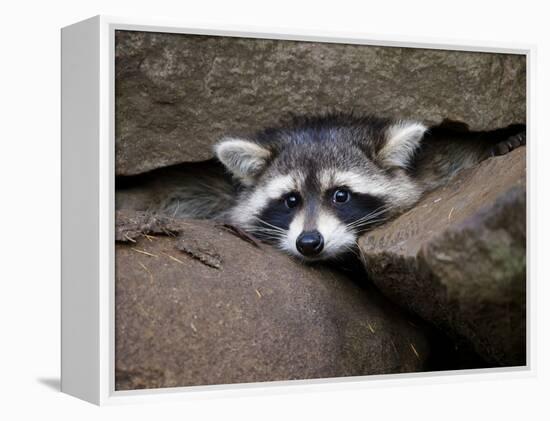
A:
(311, 190)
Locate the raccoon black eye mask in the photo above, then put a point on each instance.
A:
(312, 186)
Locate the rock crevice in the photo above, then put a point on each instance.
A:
(458, 259)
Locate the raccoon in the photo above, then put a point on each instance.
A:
(312, 185)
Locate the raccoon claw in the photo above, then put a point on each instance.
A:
(509, 144)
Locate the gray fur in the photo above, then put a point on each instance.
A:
(199, 190)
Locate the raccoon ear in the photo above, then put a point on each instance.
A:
(243, 158)
(401, 141)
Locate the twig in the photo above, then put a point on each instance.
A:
(144, 252)
(173, 258)
(129, 238)
(151, 278)
(243, 235)
(450, 213)
(415, 351)
(370, 327)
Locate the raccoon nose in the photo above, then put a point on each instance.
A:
(310, 243)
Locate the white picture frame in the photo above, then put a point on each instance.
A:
(88, 138)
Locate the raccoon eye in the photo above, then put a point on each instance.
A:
(341, 196)
(292, 200)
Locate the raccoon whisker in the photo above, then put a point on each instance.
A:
(351, 247)
(365, 227)
(259, 228)
(279, 230)
(268, 233)
(176, 210)
(377, 211)
(380, 210)
(346, 249)
(272, 234)
(269, 225)
(364, 221)
(267, 236)
(265, 230)
(369, 218)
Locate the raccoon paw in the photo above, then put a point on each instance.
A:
(508, 145)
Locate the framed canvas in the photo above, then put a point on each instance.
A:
(245, 210)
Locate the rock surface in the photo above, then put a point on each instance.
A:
(178, 94)
(197, 305)
(458, 259)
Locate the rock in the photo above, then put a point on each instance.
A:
(178, 94)
(255, 315)
(458, 259)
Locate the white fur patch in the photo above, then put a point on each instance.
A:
(337, 237)
(356, 181)
(402, 139)
(244, 159)
(296, 227)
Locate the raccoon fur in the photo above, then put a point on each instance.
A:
(313, 185)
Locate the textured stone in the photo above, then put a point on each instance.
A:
(257, 315)
(458, 259)
(178, 94)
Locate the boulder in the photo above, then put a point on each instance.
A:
(200, 304)
(178, 94)
(458, 259)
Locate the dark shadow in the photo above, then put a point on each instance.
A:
(53, 383)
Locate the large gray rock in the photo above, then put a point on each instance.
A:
(178, 94)
(197, 305)
(458, 259)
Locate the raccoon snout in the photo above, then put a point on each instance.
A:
(310, 243)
